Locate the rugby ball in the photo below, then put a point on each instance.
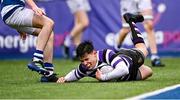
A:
(105, 68)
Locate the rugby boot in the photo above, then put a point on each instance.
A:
(157, 63)
(38, 66)
(133, 18)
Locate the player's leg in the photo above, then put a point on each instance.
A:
(146, 10)
(143, 71)
(46, 25)
(22, 19)
(122, 35)
(79, 9)
(81, 22)
(48, 61)
(137, 37)
(77, 39)
(125, 29)
(125, 6)
(48, 52)
(148, 25)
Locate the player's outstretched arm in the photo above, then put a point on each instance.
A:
(61, 80)
(70, 77)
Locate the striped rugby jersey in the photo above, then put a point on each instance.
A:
(12, 2)
(8, 7)
(104, 56)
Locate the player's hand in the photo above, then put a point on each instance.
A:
(23, 35)
(38, 11)
(98, 74)
(61, 80)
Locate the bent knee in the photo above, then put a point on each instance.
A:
(146, 72)
(149, 73)
(49, 22)
(84, 24)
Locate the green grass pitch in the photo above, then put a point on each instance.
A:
(17, 82)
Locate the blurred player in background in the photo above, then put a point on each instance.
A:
(79, 9)
(32, 21)
(143, 7)
(128, 64)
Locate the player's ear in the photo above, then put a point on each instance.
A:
(94, 51)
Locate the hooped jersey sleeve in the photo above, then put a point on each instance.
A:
(76, 74)
(119, 63)
(110, 57)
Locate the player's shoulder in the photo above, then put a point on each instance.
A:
(105, 50)
(82, 68)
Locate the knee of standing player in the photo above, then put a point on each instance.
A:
(49, 22)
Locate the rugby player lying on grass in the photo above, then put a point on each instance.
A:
(127, 64)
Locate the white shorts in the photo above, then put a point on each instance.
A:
(76, 5)
(21, 20)
(135, 6)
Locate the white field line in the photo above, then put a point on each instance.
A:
(154, 92)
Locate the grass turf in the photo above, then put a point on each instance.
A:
(17, 82)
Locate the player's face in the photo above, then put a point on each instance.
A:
(89, 60)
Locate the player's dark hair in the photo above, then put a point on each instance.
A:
(83, 48)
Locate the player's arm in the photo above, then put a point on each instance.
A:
(35, 8)
(74, 75)
(69, 77)
(120, 66)
(121, 69)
